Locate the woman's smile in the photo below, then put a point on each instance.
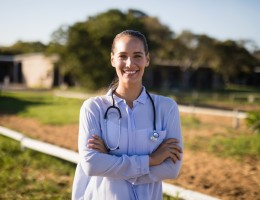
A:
(130, 72)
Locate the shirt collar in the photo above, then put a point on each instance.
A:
(141, 99)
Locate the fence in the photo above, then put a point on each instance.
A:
(235, 114)
(73, 157)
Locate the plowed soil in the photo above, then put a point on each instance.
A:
(225, 178)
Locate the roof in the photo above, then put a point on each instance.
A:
(21, 57)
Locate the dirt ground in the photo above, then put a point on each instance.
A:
(224, 178)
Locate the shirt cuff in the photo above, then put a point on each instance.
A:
(144, 165)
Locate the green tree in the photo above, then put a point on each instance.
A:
(84, 48)
(21, 47)
(88, 44)
(233, 61)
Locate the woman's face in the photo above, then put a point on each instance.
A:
(129, 59)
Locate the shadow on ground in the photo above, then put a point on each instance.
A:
(12, 105)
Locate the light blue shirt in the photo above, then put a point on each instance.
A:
(124, 173)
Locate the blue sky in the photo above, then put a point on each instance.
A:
(35, 20)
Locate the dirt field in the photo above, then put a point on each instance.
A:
(219, 177)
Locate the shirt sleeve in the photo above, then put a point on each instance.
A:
(168, 169)
(94, 163)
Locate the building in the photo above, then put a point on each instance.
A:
(172, 76)
(34, 70)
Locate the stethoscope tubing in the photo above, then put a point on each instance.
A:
(153, 137)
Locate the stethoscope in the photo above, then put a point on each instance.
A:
(154, 136)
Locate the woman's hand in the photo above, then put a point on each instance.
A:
(167, 149)
(96, 143)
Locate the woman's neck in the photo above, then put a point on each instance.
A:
(129, 94)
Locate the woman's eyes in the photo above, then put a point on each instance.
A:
(125, 57)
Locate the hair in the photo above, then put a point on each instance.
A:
(132, 33)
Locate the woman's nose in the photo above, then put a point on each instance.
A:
(128, 62)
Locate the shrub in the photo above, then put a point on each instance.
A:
(253, 121)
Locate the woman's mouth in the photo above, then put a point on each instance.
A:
(130, 72)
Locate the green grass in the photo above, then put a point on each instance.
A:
(236, 146)
(246, 100)
(28, 174)
(228, 143)
(46, 108)
(32, 175)
(166, 197)
(190, 122)
(42, 106)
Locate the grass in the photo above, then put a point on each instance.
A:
(238, 146)
(28, 174)
(229, 142)
(42, 106)
(48, 109)
(246, 100)
(190, 122)
(32, 175)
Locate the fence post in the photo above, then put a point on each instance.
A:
(251, 98)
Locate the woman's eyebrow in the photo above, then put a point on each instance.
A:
(138, 52)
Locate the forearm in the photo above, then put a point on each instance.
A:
(166, 170)
(121, 167)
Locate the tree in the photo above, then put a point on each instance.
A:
(87, 50)
(234, 61)
(21, 47)
(84, 48)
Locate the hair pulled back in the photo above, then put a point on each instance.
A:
(131, 33)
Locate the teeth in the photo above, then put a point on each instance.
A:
(130, 71)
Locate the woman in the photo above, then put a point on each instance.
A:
(129, 140)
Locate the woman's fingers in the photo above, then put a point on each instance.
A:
(174, 158)
(176, 147)
(171, 140)
(176, 154)
(174, 151)
(97, 144)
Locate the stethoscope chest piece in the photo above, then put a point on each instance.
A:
(155, 136)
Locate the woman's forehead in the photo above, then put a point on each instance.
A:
(128, 43)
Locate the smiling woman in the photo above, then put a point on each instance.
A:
(129, 55)
(129, 140)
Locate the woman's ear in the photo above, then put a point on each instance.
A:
(112, 59)
(148, 60)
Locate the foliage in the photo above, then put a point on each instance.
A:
(227, 58)
(86, 55)
(21, 47)
(233, 60)
(253, 121)
(84, 49)
(32, 175)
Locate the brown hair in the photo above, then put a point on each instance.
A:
(131, 33)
